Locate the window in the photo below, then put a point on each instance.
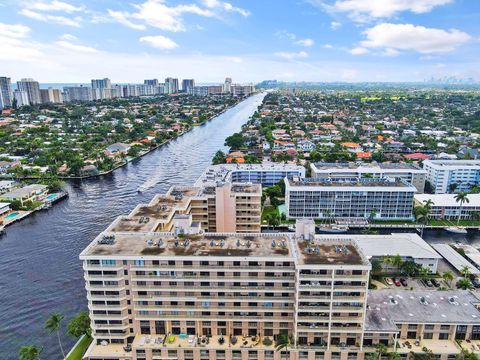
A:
(139, 262)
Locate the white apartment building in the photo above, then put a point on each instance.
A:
(382, 199)
(445, 206)
(264, 174)
(452, 176)
(411, 173)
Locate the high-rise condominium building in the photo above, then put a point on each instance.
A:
(242, 90)
(32, 88)
(227, 86)
(187, 85)
(6, 92)
(21, 98)
(452, 176)
(51, 95)
(78, 93)
(411, 173)
(349, 198)
(151, 82)
(101, 83)
(171, 85)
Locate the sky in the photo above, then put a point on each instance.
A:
(73, 41)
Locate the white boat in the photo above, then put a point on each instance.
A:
(333, 229)
(456, 230)
(291, 228)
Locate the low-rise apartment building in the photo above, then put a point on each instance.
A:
(445, 206)
(382, 199)
(411, 173)
(452, 176)
(264, 174)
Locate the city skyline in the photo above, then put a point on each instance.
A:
(342, 40)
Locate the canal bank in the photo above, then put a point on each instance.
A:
(39, 268)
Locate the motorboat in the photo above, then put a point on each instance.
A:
(456, 230)
(333, 229)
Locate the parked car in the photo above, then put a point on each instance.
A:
(435, 282)
(404, 281)
(428, 282)
(476, 282)
(397, 282)
(389, 281)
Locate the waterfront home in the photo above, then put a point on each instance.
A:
(4, 208)
(5, 165)
(117, 148)
(445, 206)
(29, 193)
(6, 185)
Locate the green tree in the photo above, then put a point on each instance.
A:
(380, 350)
(461, 197)
(465, 271)
(29, 352)
(448, 277)
(218, 158)
(80, 325)
(464, 284)
(466, 355)
(282, 342)
(53, 325)
(376, 267)
(235, 141)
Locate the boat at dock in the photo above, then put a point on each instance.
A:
(333, 229)
(456, 230)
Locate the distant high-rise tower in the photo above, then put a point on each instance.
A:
(6, 93)
(32, 88)
(21, 97)
(227, 87)
(188, 85)
(151, 82)
(101, 83)
(171, 85)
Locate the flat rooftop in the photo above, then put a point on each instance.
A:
(147, 217)
(385, 308)
(207, 244)
(354, 182)
(453, 163)
(448, 200)
(332, 251)
(367, 167)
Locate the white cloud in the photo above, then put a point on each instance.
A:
(75, 47)
(159, 42)
(14, 30)
(54, 5)
(334, 25)
(396, 37)
(305, 42)
(68, 37)
(363, 10)
(358, 51)
(156, 13)
(62, 20)
(327, 46)
(291, 55)
(216, 4)
(122, 18)
(283, 34)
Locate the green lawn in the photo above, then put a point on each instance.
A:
(267, 210)
(80, 349)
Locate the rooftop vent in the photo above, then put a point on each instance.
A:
(107, 240)
(423, 300)
(452, 301)
(393, 301)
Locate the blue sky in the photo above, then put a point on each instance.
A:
(249, 40)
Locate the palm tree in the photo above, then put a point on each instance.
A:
(30, 352)
(464, 284)
(465, 272)
(397, 261)
(380, 349)
(53, 324)
(424, 272)
(282, 342)
(461, 197)
(448, 277)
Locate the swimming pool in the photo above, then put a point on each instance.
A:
(12, 215)
(52, 196)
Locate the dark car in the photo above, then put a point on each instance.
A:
(476, 282)
(428, 282)
(435, 282)
(404, 281)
